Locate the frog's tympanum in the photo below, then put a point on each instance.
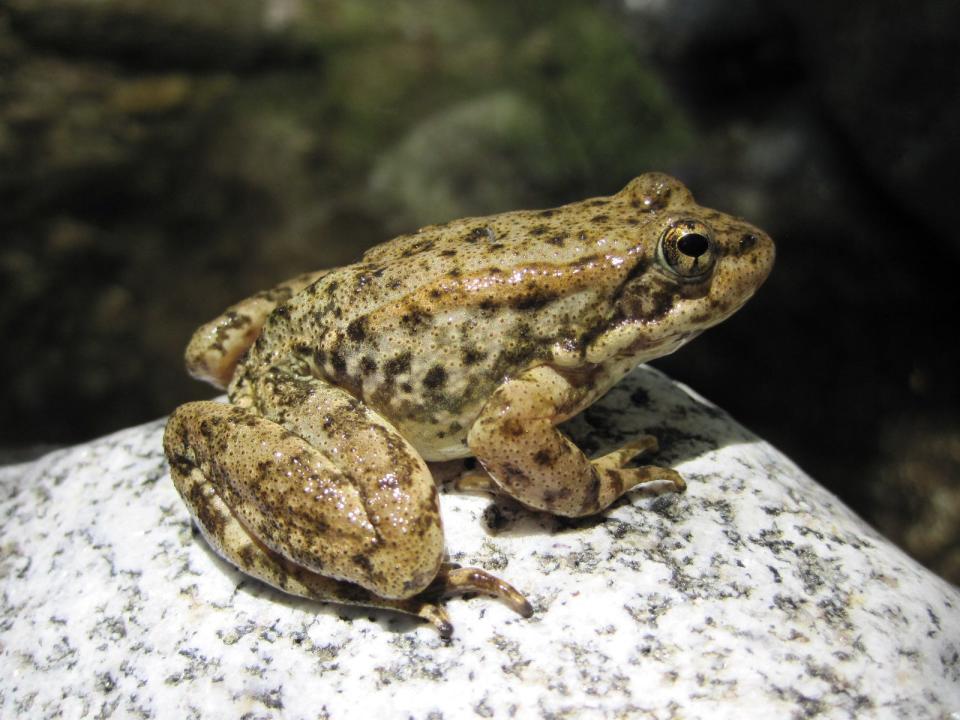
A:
(470, 339)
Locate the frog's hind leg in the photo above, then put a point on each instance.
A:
(233, 541)
(291, 496)
(516, 441)
(333, 420)
(334, 505)
(216, 347)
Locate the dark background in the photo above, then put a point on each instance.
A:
(160, 160)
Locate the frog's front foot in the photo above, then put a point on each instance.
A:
(516, 441)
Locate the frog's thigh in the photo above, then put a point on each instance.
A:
(294, 500)
(398, 491)
(516, 441)
(216, 347)
(228, 536)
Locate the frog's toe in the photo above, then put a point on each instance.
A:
(612, 467)
(642, 445)
(649, 475)
(455, 580)
(437, 616)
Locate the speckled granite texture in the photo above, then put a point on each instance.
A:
(755, 594)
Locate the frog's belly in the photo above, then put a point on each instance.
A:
(436, 444)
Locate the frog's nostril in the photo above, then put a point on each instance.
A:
(693, 245)
(747, 242)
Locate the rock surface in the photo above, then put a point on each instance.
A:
(755, 594)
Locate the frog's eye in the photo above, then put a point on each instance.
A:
(686, 250)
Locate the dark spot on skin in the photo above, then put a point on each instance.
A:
(339, 364)
(582, 236)
(547, 213)
(247, 556)
(550, 497)
(435, 293)
(479, 233)
(415, 317)
(379, 272)
(367, 365)
(598, 202)
(513, 473)
(417, 247)
(539, 230)
(494, 271)
(435, 377)
(407, 387)
(557, 240)
(533, 300)
(488, 305)
(362, 562)
(543, 458)
(454, 272)
(616, 479)
(640, 397)
(357, 329)
(471, 356)
(394, 284)
(332, 287)
(512, 427)
(497, 246)
(448, 253)
(397, 365)
(599, 218)
(662, 302)
(593, 493)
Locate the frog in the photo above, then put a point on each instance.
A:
(468, 341)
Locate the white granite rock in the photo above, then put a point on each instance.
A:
(755, 594)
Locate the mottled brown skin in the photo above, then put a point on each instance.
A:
(471, 338)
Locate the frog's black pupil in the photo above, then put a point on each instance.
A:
(693, 245)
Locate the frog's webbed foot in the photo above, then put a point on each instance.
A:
(516, 440)
(614, 467)
(452, 579)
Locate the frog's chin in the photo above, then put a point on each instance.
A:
(644, 349)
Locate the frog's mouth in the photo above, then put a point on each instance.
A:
(646, 348)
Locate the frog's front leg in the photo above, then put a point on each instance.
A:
(320, 498)
(528, 458)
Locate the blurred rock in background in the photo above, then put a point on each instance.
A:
(159, 161)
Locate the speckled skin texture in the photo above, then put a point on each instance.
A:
(755, 594)
(473, 338)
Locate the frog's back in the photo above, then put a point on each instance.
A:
(425, 326)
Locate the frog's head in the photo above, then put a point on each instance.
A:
(695, 266)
